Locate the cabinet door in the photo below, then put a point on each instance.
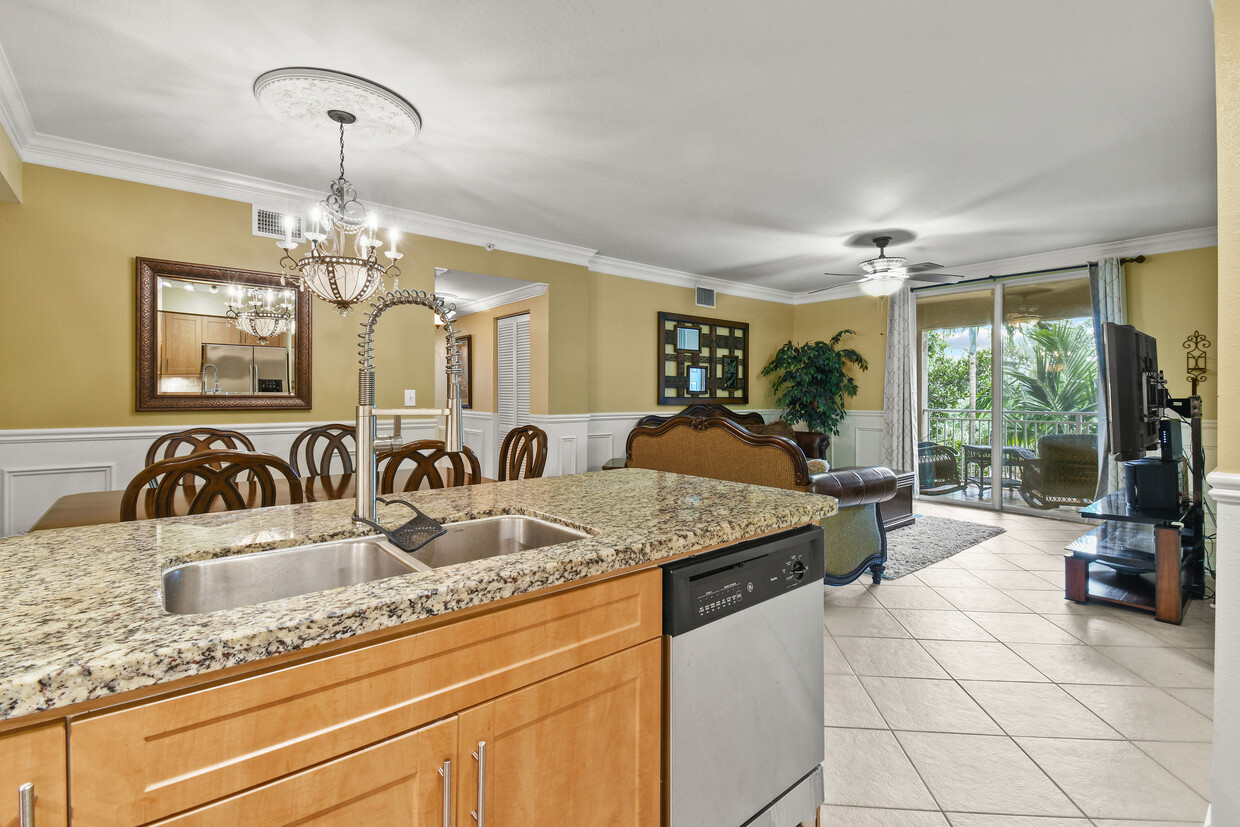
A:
(217, 331)
(580, 748)
(182, 344)
(400, 782)
(37, 757)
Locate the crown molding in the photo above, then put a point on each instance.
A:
(678, 278)
(529, 291)
(1145, 245)
(14, 114)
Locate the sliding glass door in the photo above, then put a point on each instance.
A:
(1009, 421)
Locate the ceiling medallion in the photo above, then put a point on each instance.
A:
(335, 271)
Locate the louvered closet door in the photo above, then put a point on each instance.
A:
(513, 372)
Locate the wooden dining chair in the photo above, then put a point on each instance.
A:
(425, 455)
(205, 477)
(523, 454)
(320, 446)
(197, 440)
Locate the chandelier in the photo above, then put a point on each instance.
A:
(336, 271)
(261, 313)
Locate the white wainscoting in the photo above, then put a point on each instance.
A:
(566, 442)
(39, 466)
(860, 440)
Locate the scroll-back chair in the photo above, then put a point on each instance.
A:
(523, 454)
(320, 446)
(425, 456)
(195, 441)
(206, 477)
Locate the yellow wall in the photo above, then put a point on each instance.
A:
(1169, 296)
(621, 339)
(1227, 94)
(10, 170)
(868, 317)
(70, 247)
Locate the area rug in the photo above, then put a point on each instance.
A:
(930, 540)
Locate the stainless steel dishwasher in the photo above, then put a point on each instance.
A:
(744, 668)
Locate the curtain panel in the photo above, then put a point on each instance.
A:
(1108, 291)
(900, 385)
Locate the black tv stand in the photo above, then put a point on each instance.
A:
(1151, 559)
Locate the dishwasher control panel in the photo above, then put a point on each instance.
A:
(717, 584)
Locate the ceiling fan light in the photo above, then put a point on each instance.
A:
(881, 287)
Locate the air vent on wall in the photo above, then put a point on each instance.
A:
(270, 224)
(705, 297)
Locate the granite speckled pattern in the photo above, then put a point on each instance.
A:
(82, 616)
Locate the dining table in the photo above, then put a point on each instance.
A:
(99, 507)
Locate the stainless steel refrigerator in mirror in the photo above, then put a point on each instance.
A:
(251, 370)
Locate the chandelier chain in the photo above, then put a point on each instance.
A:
(342, 150)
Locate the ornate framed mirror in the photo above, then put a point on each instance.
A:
(218, 338)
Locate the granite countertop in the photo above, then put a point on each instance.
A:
(82, 616)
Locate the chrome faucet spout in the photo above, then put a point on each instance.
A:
(203, 377)
(369, 444)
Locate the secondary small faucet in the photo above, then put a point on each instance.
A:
(369, 443)
(206, 365)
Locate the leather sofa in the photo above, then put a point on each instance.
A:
(720, 449)
(813, 444)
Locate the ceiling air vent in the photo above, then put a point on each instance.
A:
(270, 224)
(705, 297)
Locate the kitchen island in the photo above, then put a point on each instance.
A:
(85, 637)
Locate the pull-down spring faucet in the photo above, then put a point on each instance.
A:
(203, 376)
(369, 443)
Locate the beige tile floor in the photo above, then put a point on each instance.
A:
(971, 694)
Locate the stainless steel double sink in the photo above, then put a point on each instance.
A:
(246, 579)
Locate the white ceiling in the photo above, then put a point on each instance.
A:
(471, 292)
(736, 139)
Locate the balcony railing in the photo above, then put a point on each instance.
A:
(955, 427)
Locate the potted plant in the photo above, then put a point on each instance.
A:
(811, 384)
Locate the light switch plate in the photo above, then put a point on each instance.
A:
(411, 399)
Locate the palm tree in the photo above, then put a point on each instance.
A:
(1053, 367)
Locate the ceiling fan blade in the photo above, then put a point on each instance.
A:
(923, 267)
(835, 286)
(848, 275)
(936, 278)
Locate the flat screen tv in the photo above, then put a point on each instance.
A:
(1134, 390)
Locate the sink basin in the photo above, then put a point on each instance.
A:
(246, 579)
(488, 537)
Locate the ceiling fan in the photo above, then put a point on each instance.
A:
(884, 274)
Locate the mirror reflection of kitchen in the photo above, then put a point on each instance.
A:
(219, 339)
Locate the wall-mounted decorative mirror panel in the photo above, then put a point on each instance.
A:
(216, 338)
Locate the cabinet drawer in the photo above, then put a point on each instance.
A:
(149, 761)
(396, 783)
(36, 756)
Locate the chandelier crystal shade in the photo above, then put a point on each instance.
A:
(263, 314)
(342, 265)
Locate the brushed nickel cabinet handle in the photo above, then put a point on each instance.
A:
(480, 813)
(446, 772)
(25, 805)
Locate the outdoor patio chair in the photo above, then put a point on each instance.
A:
(1065, 471)
(938, 469)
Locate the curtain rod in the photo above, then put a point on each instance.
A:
(1135, 259)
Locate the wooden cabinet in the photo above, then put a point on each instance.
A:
(579, 748)
(399, 782)
(216, 330)
(35, 756)
(181, 343)
(169, 755)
